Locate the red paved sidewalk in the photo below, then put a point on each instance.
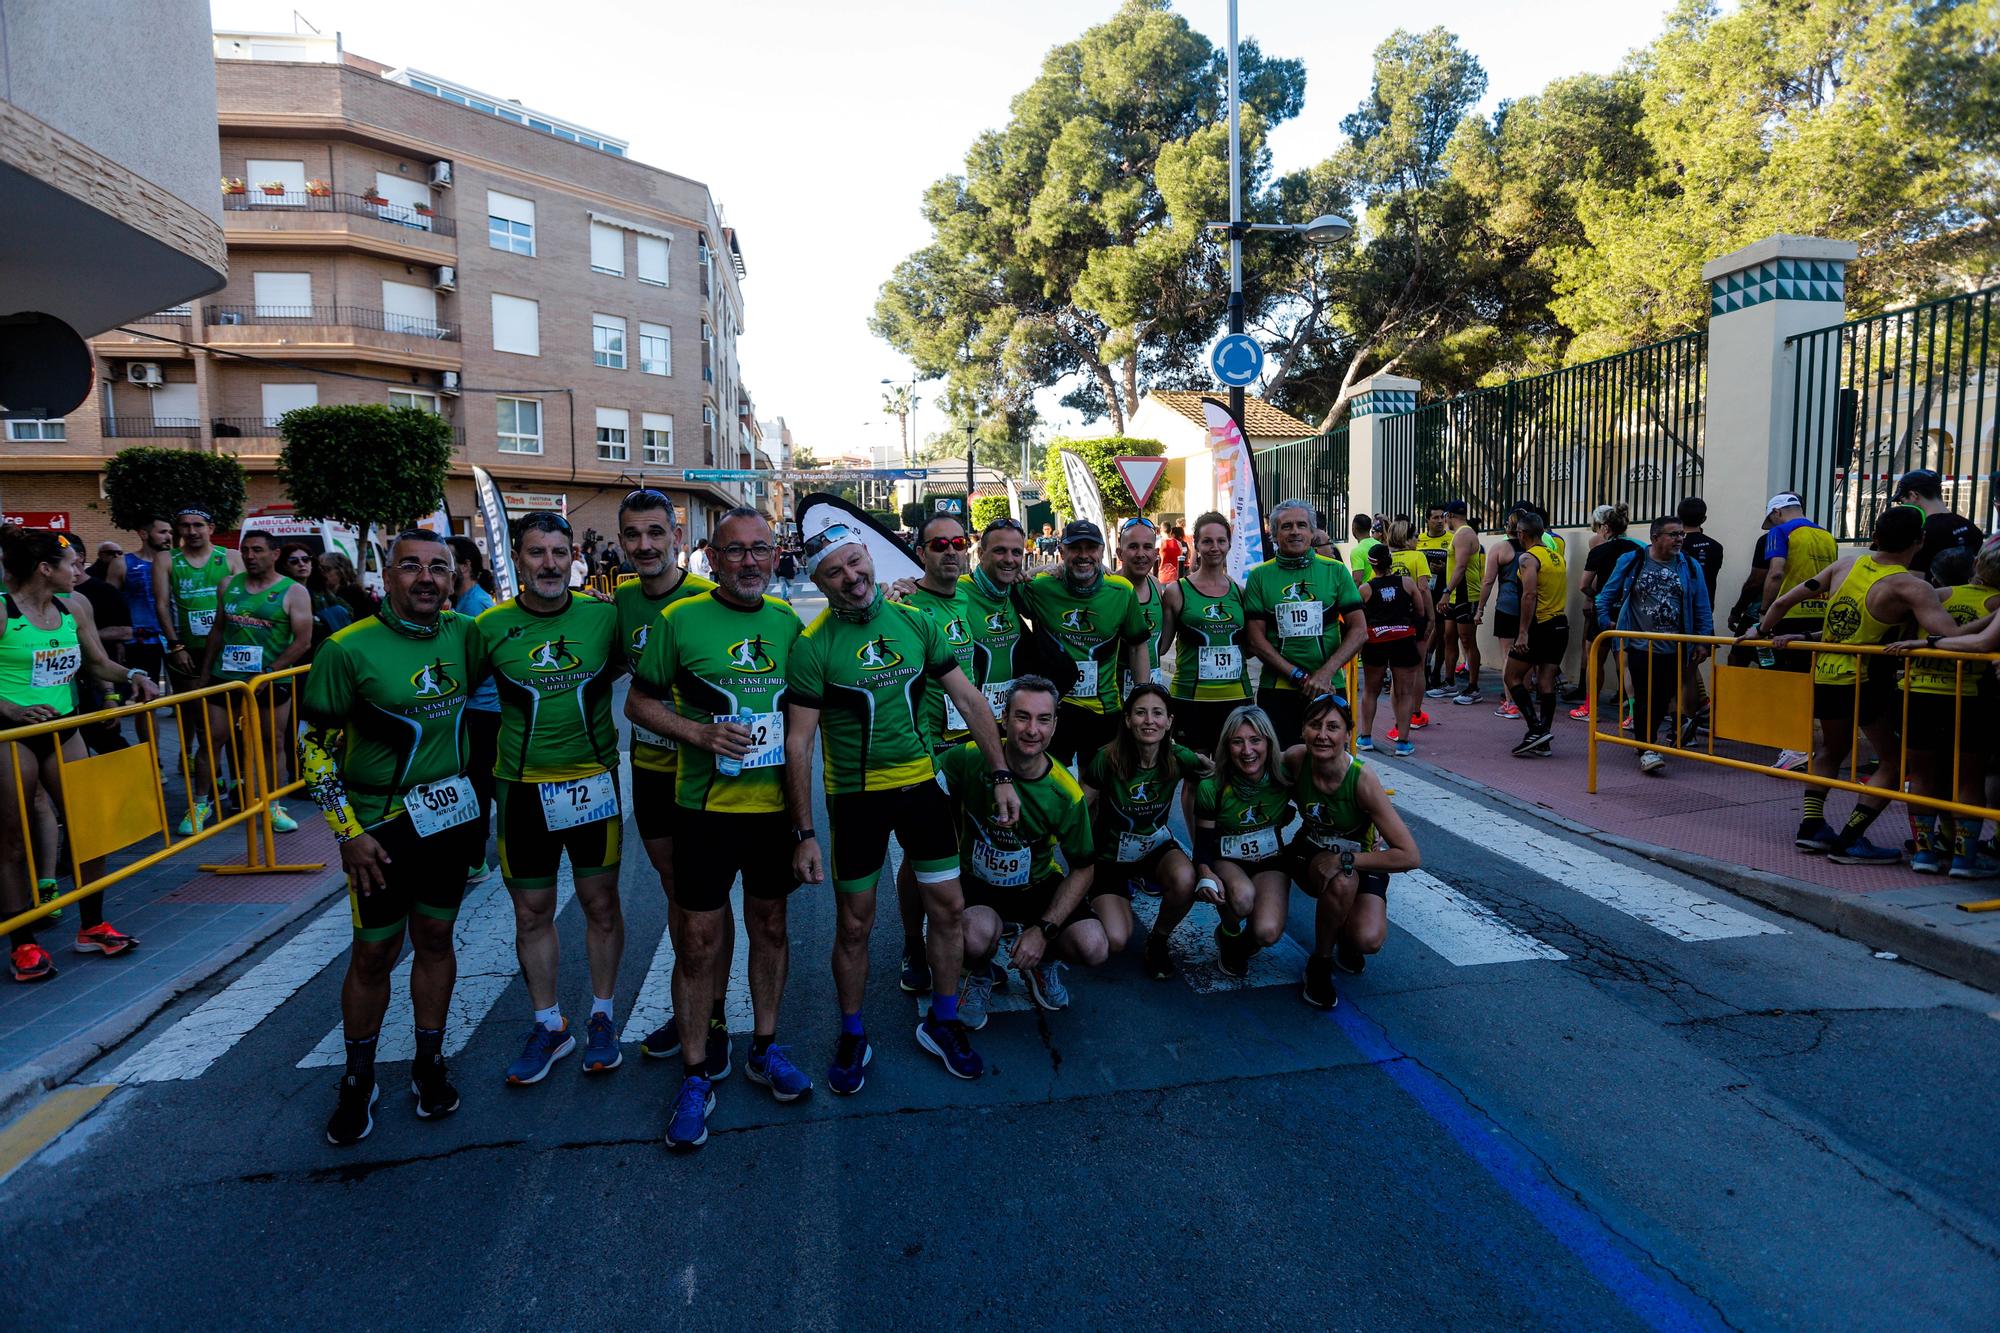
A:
(1730, 826)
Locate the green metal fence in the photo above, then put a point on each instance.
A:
(1313, 469)
(1874, 398)
(1626, 427)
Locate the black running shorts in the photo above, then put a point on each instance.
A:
(712, 847)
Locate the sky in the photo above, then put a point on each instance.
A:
(817, 125)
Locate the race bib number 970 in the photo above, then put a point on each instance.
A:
(242, 659)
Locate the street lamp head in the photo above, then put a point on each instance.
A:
(1326, 229)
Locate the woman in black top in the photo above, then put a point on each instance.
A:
(1608, 545)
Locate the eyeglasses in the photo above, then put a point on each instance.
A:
(758, 551)
(947, 543)
(1140, 521)
(300, 558)
(436, 568)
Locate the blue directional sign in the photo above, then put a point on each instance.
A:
(1237, 360)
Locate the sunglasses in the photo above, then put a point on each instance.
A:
(1340, 699)
(827, 536)
(543, 520)
(947, 543)
(1139, 522)
(1005, 525)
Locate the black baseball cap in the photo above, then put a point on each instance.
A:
(1081, 530)
(1455, 507)
(1899, 527)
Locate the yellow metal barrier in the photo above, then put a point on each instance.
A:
(272, 716)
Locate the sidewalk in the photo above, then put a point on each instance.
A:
(1729, 827)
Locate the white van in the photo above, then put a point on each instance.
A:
(320, 536)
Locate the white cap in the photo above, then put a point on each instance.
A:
(1782, 500)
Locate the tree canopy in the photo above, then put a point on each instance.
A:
(365, 463)
(145, 483)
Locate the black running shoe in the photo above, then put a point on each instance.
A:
(1526, 745)
(1539, 742)
(718, 1044)
(1318, 989)
(1159, 959)
(916, 979)
(430, 1084)
(354, 1114)
(663, 1044)
(1349, 958)
(1231, 954)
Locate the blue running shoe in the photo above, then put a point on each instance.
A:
(1929, 861)
(688, 1127)
(600, 1052)
(948, 1042)
(775, 1070)
(1404, 749)
(1862, 852)
(1365, 744)
(543, 1048)
(848, 1073)
(1978, 866)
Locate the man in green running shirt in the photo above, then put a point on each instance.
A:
(554, 657)
(1138, 558)
(1096, 618)
(385, 758)
(863, 666)
(1303, 620)
(264, 624)
(186, 592)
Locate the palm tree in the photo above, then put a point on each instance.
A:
(899, 404)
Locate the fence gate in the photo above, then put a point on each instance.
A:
(1313, 469)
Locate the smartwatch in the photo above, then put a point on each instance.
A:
(1049, 930)
(804, 835)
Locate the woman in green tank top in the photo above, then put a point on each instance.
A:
(1240, 813)
(1202, 616)
(46, 641)
(1338, 856)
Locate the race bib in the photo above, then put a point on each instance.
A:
(641, 736)
(434, 807)
(242, 659)
(1003, 870)
(1138, 846)
(767, 738)
(1329, 843)
(1086, 680)
(579, 801)
(1158, 676)
(201, 622)
(1218, 663)
(1260, 845)
(996, 696)
(56, 666)
(1300, 620)
(953, 719)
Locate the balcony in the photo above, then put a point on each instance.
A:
(258, 436)
(147, 428)
(294, 219)
(168, 323)
(327, 331)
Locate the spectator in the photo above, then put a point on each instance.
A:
(472, 594)
(100, 585)
(787, 570)
(700, 563)
(1173, 555)
(610, 562)
(1942, 529)
(1698, 546)
(1657, 589)
(579, 568)
(295, 562)
(1608, 546)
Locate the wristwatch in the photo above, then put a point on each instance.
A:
(1931, 640)
(1049, 930)
(804, 835)
(1002, 776)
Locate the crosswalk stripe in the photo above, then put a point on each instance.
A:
(1463, 932)
(1192, 948)
(655, 1000)
(1663, 905)
(190, 1046)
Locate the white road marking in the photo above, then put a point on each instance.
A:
(655, 1000)
(1659, 903)
(1463, 932)
(1193, 950)
(197, 1041)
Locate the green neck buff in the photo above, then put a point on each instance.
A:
(1294, 561)
(1083, 589)
(409, 629)
(987, 587)
(859, 615)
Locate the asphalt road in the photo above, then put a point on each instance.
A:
(1559, 1106)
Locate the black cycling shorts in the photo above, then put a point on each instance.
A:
(1081, 732)
(1287, 709)
(530, 853)
(425, 876)
(1936, 718)
(712, 846)
(1393, 653)
(1548, 641)
(654, 813)
(1023, 907)
(1301, 850)
(859, 825)
(1198, 722)
(1458, 613)
(1506, 625)
(1879, 699)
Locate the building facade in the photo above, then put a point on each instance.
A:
(395, 237)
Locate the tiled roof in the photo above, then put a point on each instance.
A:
(1260, 419)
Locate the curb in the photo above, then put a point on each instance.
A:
(1895, 929)
(56, 1067)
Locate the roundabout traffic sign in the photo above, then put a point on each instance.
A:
(1237, 360)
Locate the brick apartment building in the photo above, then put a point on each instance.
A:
(400, 238)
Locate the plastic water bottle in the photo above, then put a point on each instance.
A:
(724, 765)
(1766, 658)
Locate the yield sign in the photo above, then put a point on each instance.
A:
(1142, 476)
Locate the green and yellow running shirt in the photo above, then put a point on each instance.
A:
(39, 666)
(706, 659)
(1249, 819)
(1301, 601)
(1551, 583)
(1210, 659)
(868, 678)
(398, 699)
(554, 671)
(1151, 612)
(1335, 816)
(996, 637)
(954, 621)
(1092, 629)
(1848, 620)
(194, 592)
(1935, 675)
(636, 614)
(1021, 856)
(1436, 552)
(1132, 812)
(255, 628)
(1475, 571)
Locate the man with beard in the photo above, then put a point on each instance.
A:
(1097, 621)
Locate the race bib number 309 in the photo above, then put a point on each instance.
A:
(436, 806)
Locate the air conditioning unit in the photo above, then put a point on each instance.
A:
(441, 175)
(145, 374)
(447, 278)
(448, 385)
(229, 317)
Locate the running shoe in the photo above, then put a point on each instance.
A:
(1045, 986)
(1690, 730)
(848, 1073)
(600, 1051)
(193, 821)
(478, 874)
(281, 822)
(1317, 989)
(948, 1042)
(916, 971)
(688, 1126)
(1651, 761)
(1816, 835)
(662, 1044)
(1526, 745)
(1465, 697)
(1542, 743)
(1862, 852)
(975, 998)
(1974, 867)
(1365, 744)
(718, 1046)
(1791, 759)
(1231, 958)
(1507, 709)
(1419, 720)
(32, 963)
(48, 890)
(430, 1084)
(1404, 749)
(1395, 734)
(1928, 861)
(1441, 692)
(354, 1113)
(1150, 888)
(774, 1069)
(106, 939)
(1625, 719)
(542, 1049)
(1159, 960)
(1347, 956)
(1580, 713)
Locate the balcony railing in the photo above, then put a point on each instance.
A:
(347, 316)
(146, 428)
(256, 201)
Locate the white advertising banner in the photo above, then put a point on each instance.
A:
(1235, 488)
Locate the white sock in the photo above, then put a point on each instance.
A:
(599, 1006)
(550, 1018)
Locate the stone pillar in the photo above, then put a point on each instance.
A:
(1381, 397)
(1758, 297)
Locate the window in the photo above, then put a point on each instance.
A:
(607, 250)
(175, 405)
(43, 428)
(520, 426)
(414, 398)
(708, 435)
(510, 223)
(283, 295)
(612, 425)
(656, 349)
(653, 260)
(405, 197)
(656, 438)
(408, 308)
(261, 171)
(282, 398)
(517, 325)
(607, 341)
